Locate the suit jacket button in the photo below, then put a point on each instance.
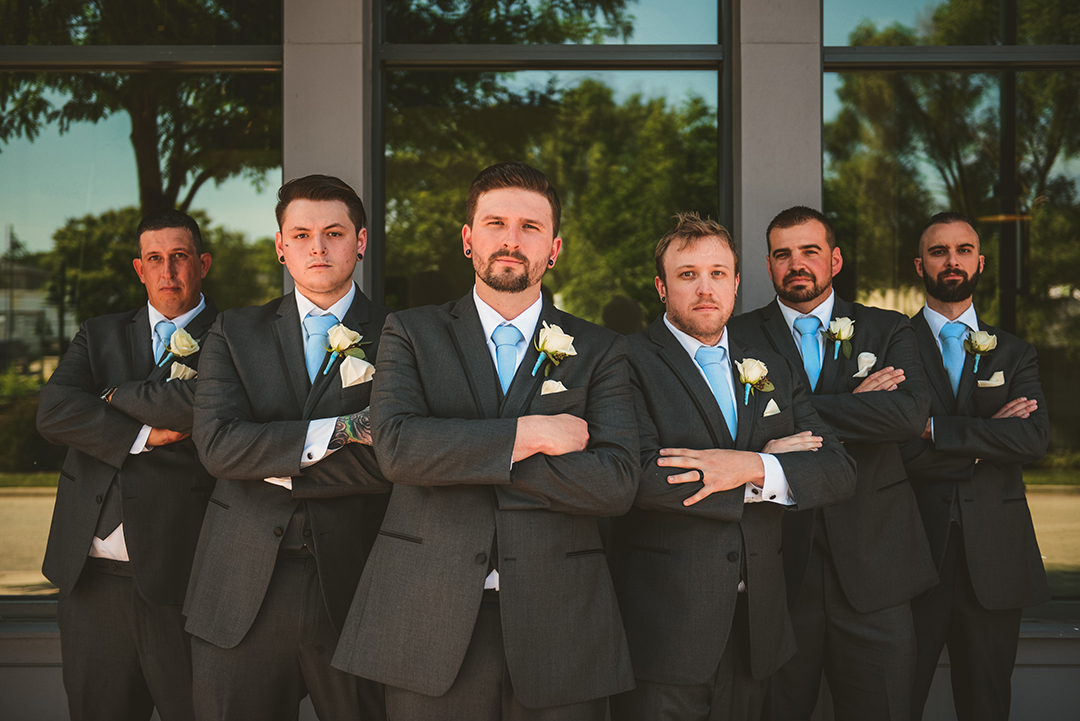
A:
(278, 531)
(733, 557)
(481, 558)
(307, 533)
(99, 499)
(947, 500)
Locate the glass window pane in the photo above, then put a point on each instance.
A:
(902, 146)
(69, 205)
(531, 22)
(626, 150)
(122, 22)
(953, 22)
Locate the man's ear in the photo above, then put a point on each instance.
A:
(837, 261)
(918, 267)
(137, 263)
(661, 289)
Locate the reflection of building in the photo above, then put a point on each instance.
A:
(27, 319)
(776, 75)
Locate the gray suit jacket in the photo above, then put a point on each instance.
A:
(163, 492)
(876, 539)
(979, 459)
(679, 567)
(253, 403)
(445, 438)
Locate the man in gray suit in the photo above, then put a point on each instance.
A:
(132, 493)
(280, 421)
(702, 545)
(852, 568)
(987, 418)
(487, 594)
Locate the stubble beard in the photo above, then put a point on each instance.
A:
(803, 295)
(951, 292)
(696, 326)
(506, 279)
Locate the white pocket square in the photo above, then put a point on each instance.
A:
(179, 371)
(771, 409)
(998, 379)
(551, 387)
(866, 362)
(355, 371)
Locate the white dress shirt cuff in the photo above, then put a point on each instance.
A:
(775, 488)
(318, 438)
(139, 446)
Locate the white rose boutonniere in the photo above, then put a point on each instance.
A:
(978, 344)
(181, 345)
(755, 376)
(554, 345)
(839, 333)
(344, 341)
(181, 372)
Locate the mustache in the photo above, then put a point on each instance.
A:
(964, 277)
(504, 253)
(799, 274)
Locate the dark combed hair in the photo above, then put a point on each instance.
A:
(513, 175)
(322, 187)
(947, 218)
(169, 218)
(797, 215)
(690, 228)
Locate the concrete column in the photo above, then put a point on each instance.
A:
(776, 124)
(327, 89)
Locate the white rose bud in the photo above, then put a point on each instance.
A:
(181, 372)
(553, 340)
(751, 371)
(341, 337)
(842, 328)
(182, 344)
(983, 341)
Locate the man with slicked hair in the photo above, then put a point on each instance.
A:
(132, 491)
(487, 595)
(281, 421)
(699, 573)
(851, 568)
(987, 418)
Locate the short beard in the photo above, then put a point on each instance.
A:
(803, 295)
(954, 292)
(505, 280)
(697, 327)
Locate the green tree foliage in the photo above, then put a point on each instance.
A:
(186, 128)
(622, 171)
(906, 145)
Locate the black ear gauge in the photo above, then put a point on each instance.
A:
(468, 252)
(359, 256)
(551, 263)
(281, 259)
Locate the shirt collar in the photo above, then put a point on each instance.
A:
(179, 321)
(338, 309)
(691, 344)
(490, 318)
(823, 312)
(937, 321)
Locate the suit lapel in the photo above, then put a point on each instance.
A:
(782, 341)
(197, 328)
(932, 362)
(356, 318)
(467, 334)
(290, 345)
(141, 344)
(523, 388)
(829, 366)
(686, 370)
(747, 412)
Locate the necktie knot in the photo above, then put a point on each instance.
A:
(318, 341)
(163, 332)
(953, 329)
(506, 338)
(709, 356)
(807, 326)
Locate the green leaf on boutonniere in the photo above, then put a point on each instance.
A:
(845, 346)
(355, 352)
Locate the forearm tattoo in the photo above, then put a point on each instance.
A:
(355, 428)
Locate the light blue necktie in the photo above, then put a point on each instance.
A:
(952, 351)
(162, 335)
(811, 349)
(317, 327)
(714, 362)
(506, 338)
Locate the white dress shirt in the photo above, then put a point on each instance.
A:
(937, 321)
(319, 431)
(823, 313)
(114, 547)
(775, 487)
(525, 322)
